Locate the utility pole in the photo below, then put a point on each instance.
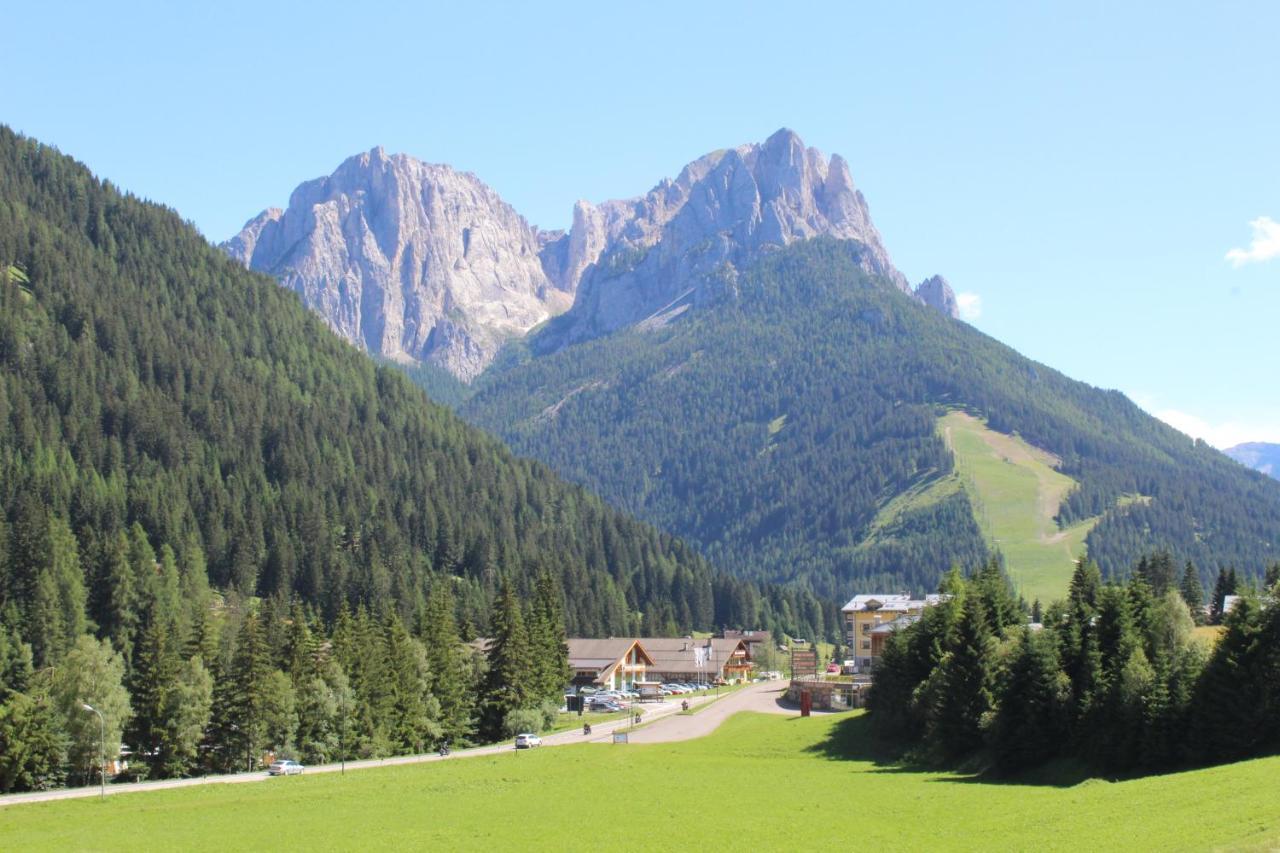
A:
(102, 747)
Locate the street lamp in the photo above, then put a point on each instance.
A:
(102, 744)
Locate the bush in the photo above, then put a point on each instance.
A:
(535, 720)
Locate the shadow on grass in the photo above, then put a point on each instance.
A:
(854, 739)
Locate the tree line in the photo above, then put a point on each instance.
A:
(216, 686)
(1114, 678)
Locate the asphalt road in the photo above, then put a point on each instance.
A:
(662, 723)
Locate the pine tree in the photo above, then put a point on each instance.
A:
(16, 665)
(447, 662)
(1159, 572)
(1113, 724)
(155, 673)
(1192, 592)
(506, 686)
(1030, 726)
(414, 713)
(237, 734)
(966, 682)
(998, 598)
(123, 609)
(1078, 639)
(1237, 698)
(1225, 585)
(549, 653)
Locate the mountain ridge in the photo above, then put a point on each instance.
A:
(383, 249)
(771, 431)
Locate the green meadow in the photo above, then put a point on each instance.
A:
(1015, 490)
(767, 781)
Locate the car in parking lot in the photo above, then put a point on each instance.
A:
(285, 767)
(527, 741)
(605, 706)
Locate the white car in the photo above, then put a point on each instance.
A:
(285, 767)
(527, 741)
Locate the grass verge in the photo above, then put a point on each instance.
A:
(762, 770)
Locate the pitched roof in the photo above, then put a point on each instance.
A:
(602, 653)
(676, 654)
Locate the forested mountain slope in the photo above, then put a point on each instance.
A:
(772, 427)
(155, 394)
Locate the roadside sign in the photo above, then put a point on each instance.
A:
(804, 662)
(619, 737)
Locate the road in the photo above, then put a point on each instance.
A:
(662, 723)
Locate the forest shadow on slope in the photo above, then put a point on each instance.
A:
(854, 739)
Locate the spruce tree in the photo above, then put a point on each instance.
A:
(16, 665)
(1113, 724)
(1192, 592)
(1225, 585)
(413, 712)
(966, 682)
(548, 651)
(238, 727)
(506, 685)
(1159, 571)
(1238, 697)
(447, 661)
(998, 598)
(154, 676)
(1030, 726)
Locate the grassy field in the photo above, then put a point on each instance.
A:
(1015, 491)
(779, 782)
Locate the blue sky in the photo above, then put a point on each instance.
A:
(1079, 171)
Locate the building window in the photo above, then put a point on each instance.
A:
(866, 627)
(866, 644)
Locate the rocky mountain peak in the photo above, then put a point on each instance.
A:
(652, 256)
(420, 262)
(937, 293)
(412, 261)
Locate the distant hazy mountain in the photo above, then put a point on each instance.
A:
(421, 263)
(1258, 455)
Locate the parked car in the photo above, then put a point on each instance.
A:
(833, 668)
(285, 767)
(527, 741)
